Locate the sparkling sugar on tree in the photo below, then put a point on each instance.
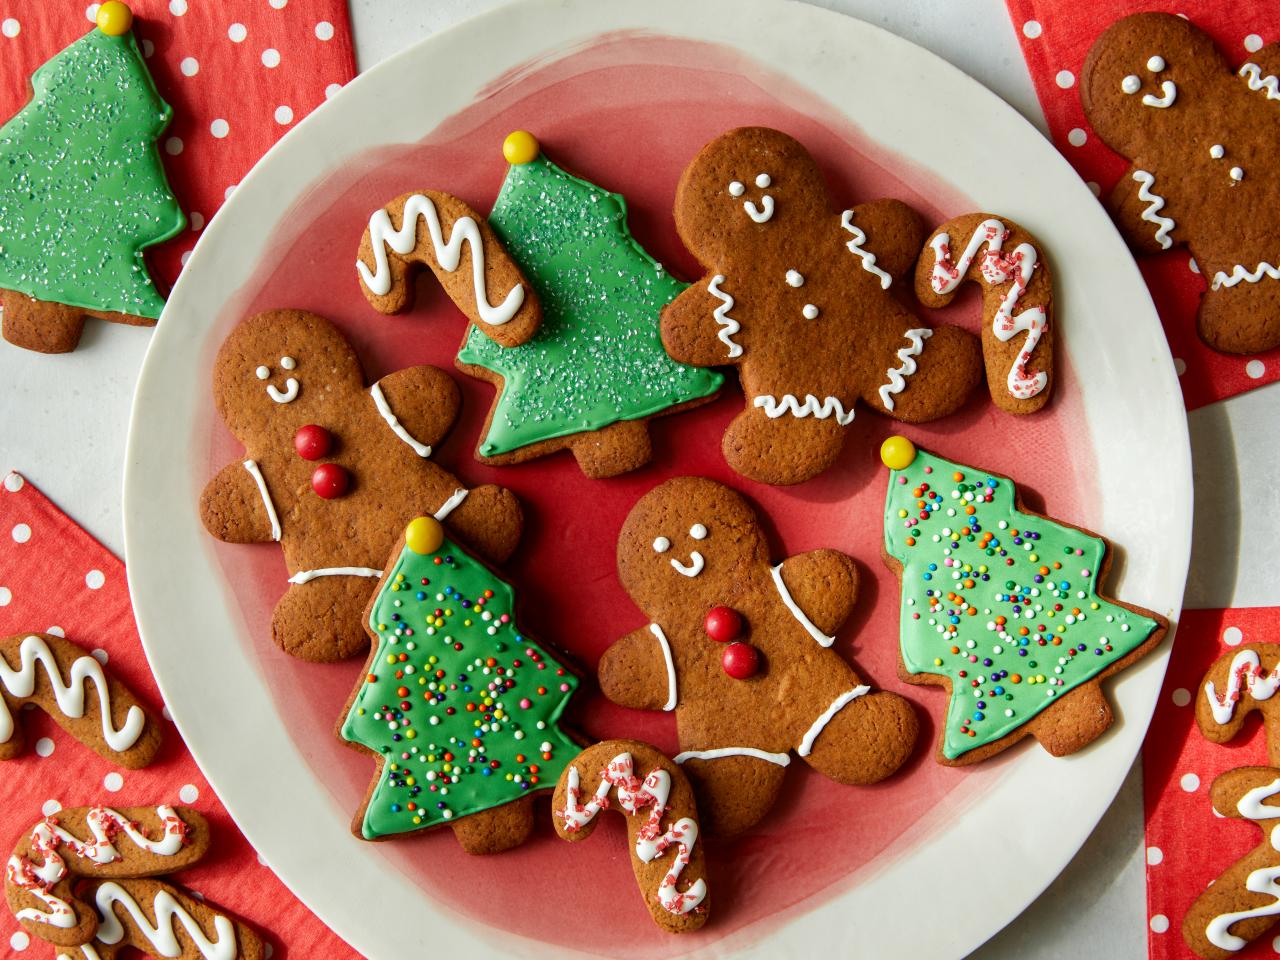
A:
(459, 707)
(83, 191)
(596, 369)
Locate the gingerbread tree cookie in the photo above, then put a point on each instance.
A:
(595, 372)
(460, 707)
(84, 192)
(1201, 140)
(802, 301)
(332, 471)
(739, 649)
(1004, 608)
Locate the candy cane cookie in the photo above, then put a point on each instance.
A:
(1241, 682)
(72, 687)
(638, 781)
(99, 843)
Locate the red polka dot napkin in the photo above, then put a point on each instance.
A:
(1188, 845)
(55, 578)
(1055, 37)
(238, 74)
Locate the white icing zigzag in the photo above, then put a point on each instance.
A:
(811, 407)
(448, 254)
(1240, 272)
(163, 935)
(907, 364)
(1155, 203)
(868, 258)
(1252, 74)
(728, 325)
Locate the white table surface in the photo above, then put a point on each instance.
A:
(64, 419)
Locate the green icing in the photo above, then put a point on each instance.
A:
(963, 573)
(452, 701)
(598, 357)
(83, 189)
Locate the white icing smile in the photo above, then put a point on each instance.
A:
(290, 391)
(692, 568)
(1169, 91)
(759, 213)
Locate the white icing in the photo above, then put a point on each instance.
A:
(811, 407)
(1242, 273)
(1217, 151)
(69, 694)
(1169, 93)
(451, 504)
(897, 377)
(810, 312)
(795, 278)
(778, 759)
(262, 372)
(384, 408)
(838, 704)
(692, 568)
(1262, 881)
(1270, 85)
(1155, 203)
(670, 663)
(728, 325)
(162, 936)
(287, 395)
(698, 531)
(998, 267)
(803, 619)
(306, 576)
(661, 545)
(254, 472)
(1237, 173)
(1156, 64)
(1131, 84)
(1246, 674)
(651, 841)
(288, 363)
(855, 246)
(447, 253)
(762, 213)
(736, 188)
(763, 180)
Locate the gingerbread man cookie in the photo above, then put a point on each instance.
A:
(802, 301)
(1244, 902)
(638, 781)
(433, 228)
(1201, 141)
(99, 843)
(72, 687)
(332, 471)
(1239, 683)
(1017, 301)
(739, 648)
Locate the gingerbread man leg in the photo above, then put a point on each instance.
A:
(782, 450)
(734, 792)
(924, 374)
(861, 738)
(1244, 318)
(496, 829)
(321, 620)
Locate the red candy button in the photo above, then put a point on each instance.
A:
(312, 442)
(723, 624)
(330, 480)
(740, 660)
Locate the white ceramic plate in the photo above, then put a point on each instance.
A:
(1108, 331)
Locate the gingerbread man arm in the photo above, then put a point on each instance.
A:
(441, 232)
(885, 236)
(1141, 213)
(637, 671)
(418, 404)
(699, 326)
(236, 505)
(824, 585)
(1265, 80)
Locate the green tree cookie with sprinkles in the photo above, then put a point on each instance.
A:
(1004, 608)
(83, 192)
(460, 709)
(595, 371)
